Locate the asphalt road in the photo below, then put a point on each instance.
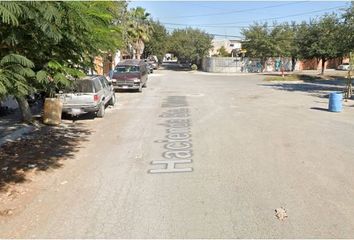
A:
(203, 156)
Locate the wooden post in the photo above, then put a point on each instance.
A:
(349, 90)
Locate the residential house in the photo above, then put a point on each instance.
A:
(230, 46)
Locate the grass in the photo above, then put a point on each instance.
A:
(305, 77)
(292, 77)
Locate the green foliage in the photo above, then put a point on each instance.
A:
(319, 39)
(15, 70)
(222, 52)
(347, 30)
(158, 43)
(258, 41)
(56, 76)
(9, 12)
(190, 45)
(60, 38)
(138, 30)
(194, 67)
(264, 42)
(324, 38)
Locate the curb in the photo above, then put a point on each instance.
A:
(16, 134)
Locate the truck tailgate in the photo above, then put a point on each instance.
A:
(77, 99)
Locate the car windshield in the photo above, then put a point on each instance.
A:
(84, 86)
(126, 69)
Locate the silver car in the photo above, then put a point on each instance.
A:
(90, 95)
(344, 66)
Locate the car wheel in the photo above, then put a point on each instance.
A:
(112, 101)
(101, 111)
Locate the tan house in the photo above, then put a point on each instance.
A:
(229, 45)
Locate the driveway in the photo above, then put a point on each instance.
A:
(202, 156)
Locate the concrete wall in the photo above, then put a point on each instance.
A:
(221, 64)
(233, 64)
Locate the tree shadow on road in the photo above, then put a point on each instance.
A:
(42, 150)
(176, 67)
(320, 88)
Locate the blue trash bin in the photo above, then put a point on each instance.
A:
(335, 102)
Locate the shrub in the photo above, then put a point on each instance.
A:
(194, 67)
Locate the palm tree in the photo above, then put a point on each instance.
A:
(15, 70)
(139, 30)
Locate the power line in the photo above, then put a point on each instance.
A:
(227, 25)
(236, 11)
(213, 34)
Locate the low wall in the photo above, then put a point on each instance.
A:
(237, 64)
(234, 64)
(221, 64)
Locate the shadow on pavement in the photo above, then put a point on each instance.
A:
(321, 88)
(176, 67)
(320, 109)
(42, 150)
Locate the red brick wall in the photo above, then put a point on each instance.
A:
(312, 64)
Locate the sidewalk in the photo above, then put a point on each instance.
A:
(11, 126)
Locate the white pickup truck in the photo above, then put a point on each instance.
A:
(90, 95)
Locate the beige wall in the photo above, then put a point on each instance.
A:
(217, 44)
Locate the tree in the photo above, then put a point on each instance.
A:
(259, 42)
(319, 39)
(139, 30)
(15, 70)
(222, 52)
(190, 45)
(347, 30)
(283, 41)
(69, 34)
(158, 43)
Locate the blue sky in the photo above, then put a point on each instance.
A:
(226, 18)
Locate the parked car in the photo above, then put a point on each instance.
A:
(130, 74)
(88, 95)
(153, 61)
(344, 66)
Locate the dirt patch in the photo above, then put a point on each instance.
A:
(281, 214)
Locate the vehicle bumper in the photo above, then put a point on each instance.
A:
(126, 87)
(78, 110)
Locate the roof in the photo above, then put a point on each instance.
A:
(131, 62)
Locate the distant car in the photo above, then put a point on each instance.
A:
(344, 66)
(153, 61)
(130, 74)
(88, 95)
(155, 65)
(149, 66)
